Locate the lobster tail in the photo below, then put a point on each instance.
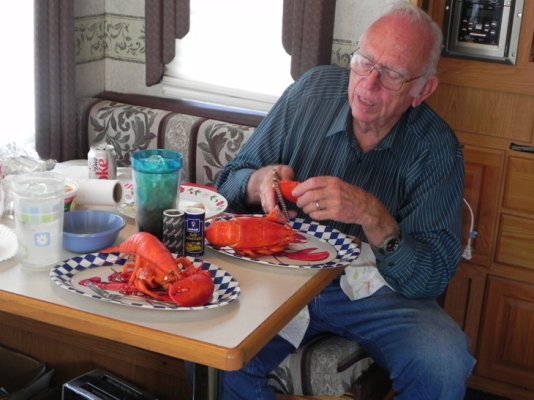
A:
(223, 232)
(113, 249)
(252, 236)
(151, 255)
(156, 273)
(144, 243)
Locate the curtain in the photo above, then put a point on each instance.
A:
(55, 105)
(165, 21)
(307, 33)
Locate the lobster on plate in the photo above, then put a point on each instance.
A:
(251, 236)
(155, 269)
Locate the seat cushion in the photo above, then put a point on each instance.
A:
(217, 143)
(328, 365)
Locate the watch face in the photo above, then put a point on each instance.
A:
(391, 245)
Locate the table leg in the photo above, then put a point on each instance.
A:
(213, 383)
(199, 381)
(205, 382)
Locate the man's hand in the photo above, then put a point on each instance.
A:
(327, 197)
(260, 186)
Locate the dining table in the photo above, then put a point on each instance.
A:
(219, 338)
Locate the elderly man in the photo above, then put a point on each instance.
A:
(374, 161)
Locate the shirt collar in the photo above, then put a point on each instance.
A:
(341, 121)
(394, 137)
(391, 141)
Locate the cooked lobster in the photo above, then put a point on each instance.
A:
(155, 269)
(251, 236)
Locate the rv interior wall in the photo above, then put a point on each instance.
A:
(115, 62)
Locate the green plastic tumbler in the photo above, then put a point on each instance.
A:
(156, 179)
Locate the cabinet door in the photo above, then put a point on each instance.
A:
(519, 193)
(465, 296)
(516, 238)
(483, 174)
(507, 342)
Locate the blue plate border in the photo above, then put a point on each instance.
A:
(226, 289)
(347, 249)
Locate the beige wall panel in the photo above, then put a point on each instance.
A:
(498, 114)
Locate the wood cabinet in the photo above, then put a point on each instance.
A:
(491, 107)
(465, 296)
(72, 354)
(507, 345)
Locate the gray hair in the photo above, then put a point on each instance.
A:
(417, 15)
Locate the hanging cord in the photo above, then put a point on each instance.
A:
(467, 254)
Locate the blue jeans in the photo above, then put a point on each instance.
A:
(424, 350)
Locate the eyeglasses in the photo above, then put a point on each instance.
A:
(389, 78)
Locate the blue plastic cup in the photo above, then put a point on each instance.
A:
(156, 179)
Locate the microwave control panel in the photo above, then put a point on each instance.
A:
(483, 29)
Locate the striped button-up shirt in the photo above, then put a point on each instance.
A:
(416, 171)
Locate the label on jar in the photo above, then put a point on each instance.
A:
(194, 231)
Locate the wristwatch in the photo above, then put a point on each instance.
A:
(390, 244)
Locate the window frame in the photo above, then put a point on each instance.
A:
(307, 35)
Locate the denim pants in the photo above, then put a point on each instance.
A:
(424, 350)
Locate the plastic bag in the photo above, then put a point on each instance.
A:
(16, 160)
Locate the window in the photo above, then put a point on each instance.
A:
(232, 55)
(17, 78)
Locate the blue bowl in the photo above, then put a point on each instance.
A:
(90, 231)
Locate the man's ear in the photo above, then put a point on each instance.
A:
(428, 88)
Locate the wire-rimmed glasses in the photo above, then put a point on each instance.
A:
(388, 78)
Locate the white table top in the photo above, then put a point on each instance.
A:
(232, 334)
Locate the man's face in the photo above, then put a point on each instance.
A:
(390, 44)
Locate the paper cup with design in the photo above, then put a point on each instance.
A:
(173, 231)
(39, 207)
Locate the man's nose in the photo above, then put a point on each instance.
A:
(373, 79)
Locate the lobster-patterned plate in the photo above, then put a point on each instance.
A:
(191, 195)
(103, 267)
(321, 247)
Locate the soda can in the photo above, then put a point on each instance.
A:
(194, 231)
(102, 161)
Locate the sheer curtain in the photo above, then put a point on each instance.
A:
(55, 103)
(17, 79)
(308, 27)
(234, 69)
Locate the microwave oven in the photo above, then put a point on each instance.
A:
(483, 29)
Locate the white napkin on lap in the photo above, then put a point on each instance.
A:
(295, 329)
(362, 278)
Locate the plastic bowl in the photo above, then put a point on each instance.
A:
(71, 190)
(90, 231)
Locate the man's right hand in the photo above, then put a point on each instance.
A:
(260, 186)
